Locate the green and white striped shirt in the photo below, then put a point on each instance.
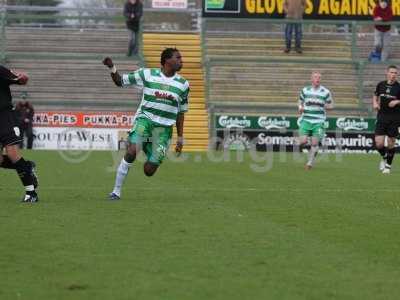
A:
(163, 97)
(314, 102)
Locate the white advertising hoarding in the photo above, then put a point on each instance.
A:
(76, 138)
(175, 4)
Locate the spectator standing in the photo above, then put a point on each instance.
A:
(133, 11)
(294, 10)
(26, 112)
(382, 13)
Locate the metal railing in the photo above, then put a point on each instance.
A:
(2, 31)
(154, 20)
(354, 32)
(357, 35)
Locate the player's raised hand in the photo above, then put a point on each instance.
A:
(179, 146)
(22, 78)
(107, 61)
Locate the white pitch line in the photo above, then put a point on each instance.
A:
(216, 189)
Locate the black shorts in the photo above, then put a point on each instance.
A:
(388, 127)
(9, 131)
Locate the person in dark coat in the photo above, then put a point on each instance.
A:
(26, 112)
(133, 11)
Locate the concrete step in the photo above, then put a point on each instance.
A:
(171, 36)
(186, 48)
(237, 71)
(188, 56)
(278, 52)
(281, 56)
(180, 44)
(198, 148)
(83, 98)
(195, 129)
(255, 105)
(273, 93)
(194, 144)
(272, 84)
(267, 98)
(243, 39)
(197, 124)
(187, 66)
(189, 117)
(65, 31)
(25, 49)
(284, 66)
(259, 79)
(193, 135)
(155, 57)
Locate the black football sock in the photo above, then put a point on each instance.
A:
(7, 163)
(390, 156)
(383, 152)
(24, 173)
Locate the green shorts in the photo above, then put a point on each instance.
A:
(309, 129)
(154, 139)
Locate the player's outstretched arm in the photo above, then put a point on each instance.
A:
(329, 106)
(114, 73)
(10, 77)
(375, 103)
(22, 78)
(179, 130)
(6, 74)
(300, 107)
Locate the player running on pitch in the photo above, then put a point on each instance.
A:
(10, 135)
(313, 102)
(164, 102)
(386, 101)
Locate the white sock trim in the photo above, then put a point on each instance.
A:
(312, 154)
(124, 162)
(122, 172)
(29, 188)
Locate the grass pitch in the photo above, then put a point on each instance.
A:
(203, 229)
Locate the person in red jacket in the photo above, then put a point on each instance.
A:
(382, 13)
